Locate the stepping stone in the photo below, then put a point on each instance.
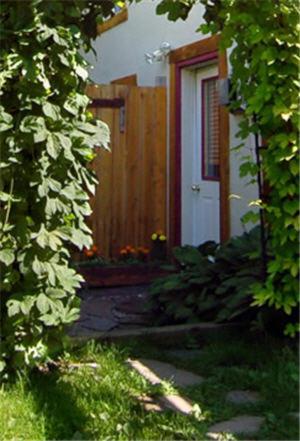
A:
(126, 318)
(175, 403)
(99, 324)
(244, 424)
(149, 404)
(241, 397)
(156, 372)
(185, 353)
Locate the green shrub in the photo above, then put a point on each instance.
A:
(47, 140)
(263, 38)
(214, 282)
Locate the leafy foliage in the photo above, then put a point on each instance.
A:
(264, 38)
(214, 282)
(47, 141)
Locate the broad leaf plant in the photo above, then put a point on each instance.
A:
(47, 141)
(264, 39)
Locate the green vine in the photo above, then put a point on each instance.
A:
(47, 140)
(264, 37)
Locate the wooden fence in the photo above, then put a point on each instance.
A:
(130, 201)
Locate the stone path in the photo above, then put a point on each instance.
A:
(166, 402)
(123, 308)
(106, 309)
(241, 397)
(244, 424)
(156, 372)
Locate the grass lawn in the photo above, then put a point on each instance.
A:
(99, 404)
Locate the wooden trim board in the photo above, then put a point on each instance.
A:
(194, 53)
(201, 47)
(117, 19)
(129, 80)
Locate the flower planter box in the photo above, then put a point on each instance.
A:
(105, 276)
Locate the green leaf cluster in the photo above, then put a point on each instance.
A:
(47, 139)
(213, 282)
(264, 41)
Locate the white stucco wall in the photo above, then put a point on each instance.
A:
(121, 52)
(121, 49)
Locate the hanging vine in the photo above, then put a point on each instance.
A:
(264, 37)
(47, 140)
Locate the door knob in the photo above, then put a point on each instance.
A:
(195, 187)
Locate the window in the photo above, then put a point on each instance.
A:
(210, 130)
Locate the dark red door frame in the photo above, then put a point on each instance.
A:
(178, 126)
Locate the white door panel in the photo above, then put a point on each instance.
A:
(200, 161)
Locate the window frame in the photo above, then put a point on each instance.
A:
(204, 176)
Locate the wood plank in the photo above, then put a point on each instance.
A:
(130, 201)
(196, 49)
(173, 216)
(117, 19)
(132, 128)
(159, 160)
(177, 56)
(103, 166)
(144, 98)
(119, 179)
(224, 157)
(129, 80)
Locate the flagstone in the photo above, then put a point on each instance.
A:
(244, 424)
(157, 371)
(176, 403)
(240, 397)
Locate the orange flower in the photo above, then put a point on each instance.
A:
(146, 250)
(85, 251)
(123, 251)
(89, 253)
(94, 248)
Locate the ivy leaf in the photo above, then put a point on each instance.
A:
(286, 115)
(49, 319)
(40, 136)
(66, 143)
(81, 72)
(26, 304)
(51, 271)
(71, 315)
(64, 60)
(42, 303)
(7, 256)
(38, 267)
(13, 307)
(54, 185)
(53, 146)
(5, 120)
(32, 124)
(55, 293)
(41, 237)
(54, 205)
(81, 239)
(52, 111)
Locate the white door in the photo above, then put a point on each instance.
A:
(200, 156)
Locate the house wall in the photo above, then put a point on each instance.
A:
(121, 52)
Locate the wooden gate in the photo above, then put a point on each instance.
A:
(130, 201)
